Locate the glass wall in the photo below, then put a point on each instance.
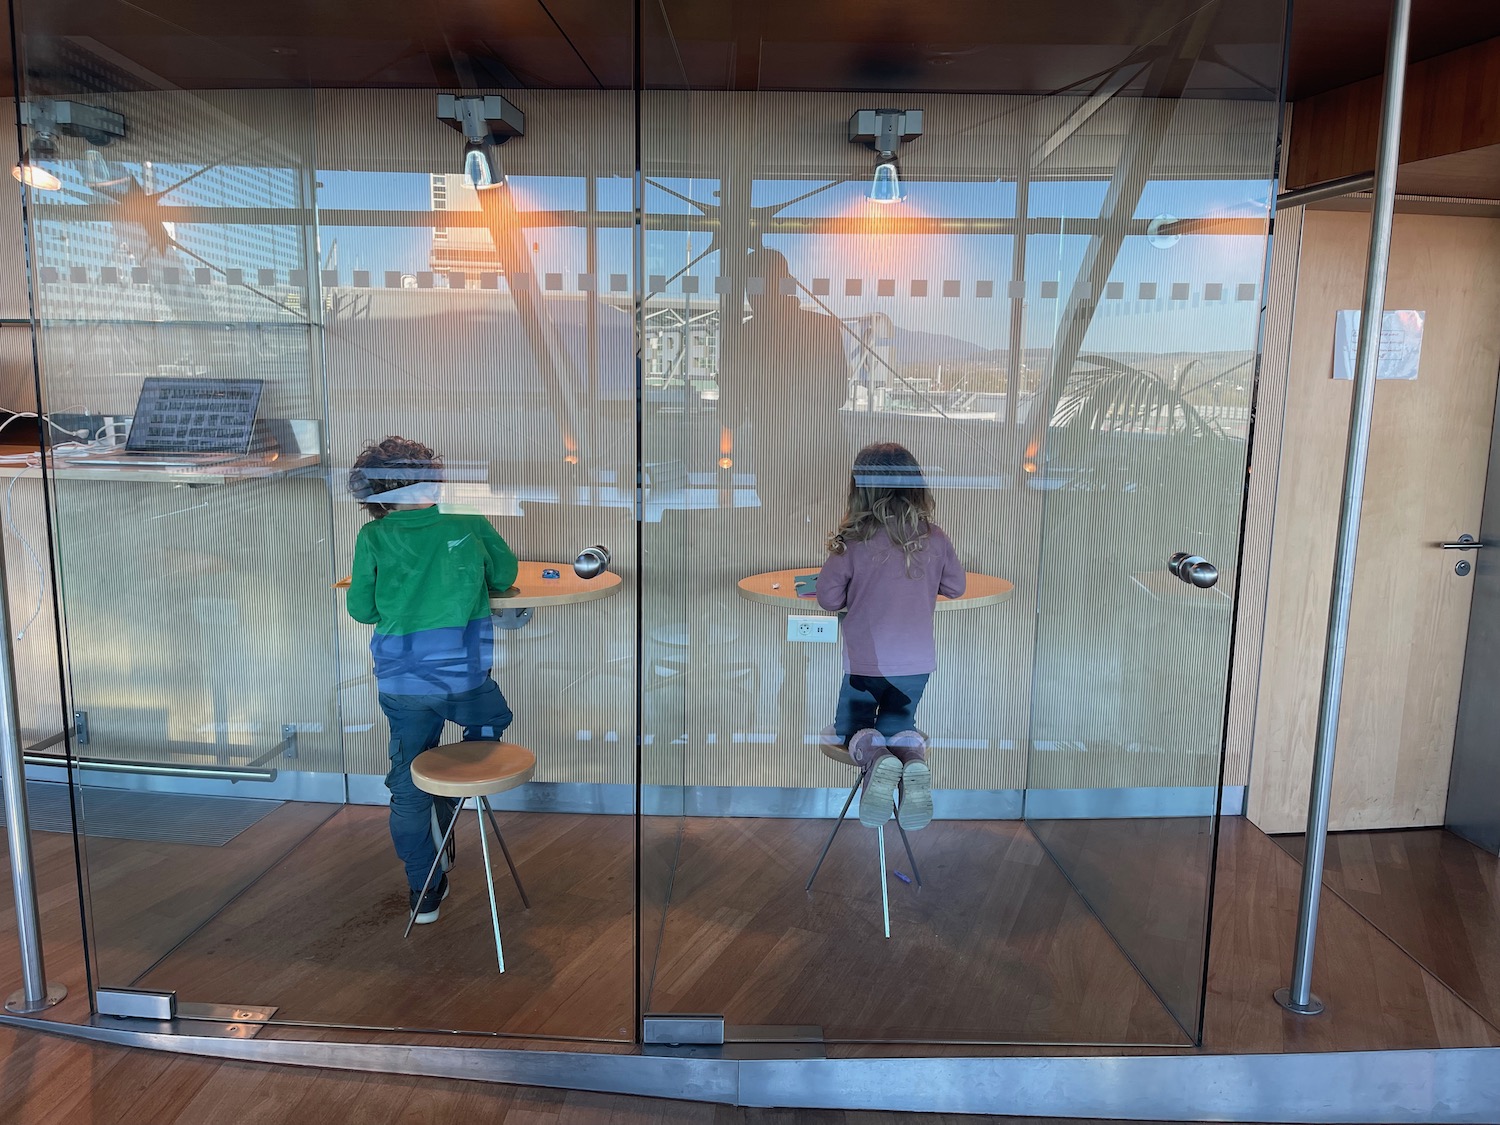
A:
(324, 246)
(687, 302)
(1140, 445)
(1052, 301)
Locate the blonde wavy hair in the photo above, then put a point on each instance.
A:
(887, 492)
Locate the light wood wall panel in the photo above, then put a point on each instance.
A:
(1425, 483)
(1260, 506)
(1451, 104)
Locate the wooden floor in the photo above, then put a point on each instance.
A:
(996, 946)
(319, 934)
(1148, 881)
(1378, 995)
(147, 896)
(1435, 895)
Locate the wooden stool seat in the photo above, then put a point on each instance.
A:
(473, 769)
(836, 752)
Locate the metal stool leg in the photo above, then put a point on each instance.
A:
(514, 874)
(431, 871)
(885, 898)
(907, 844)
(489, 883)
(837, 824)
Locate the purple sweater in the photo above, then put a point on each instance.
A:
(888, 627)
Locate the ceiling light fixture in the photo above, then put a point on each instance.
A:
(884, 130)
(487, 121)
(29, 170)
(48, 119)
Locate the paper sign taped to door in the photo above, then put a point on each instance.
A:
(1400, 343)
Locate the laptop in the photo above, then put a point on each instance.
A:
(187, 423)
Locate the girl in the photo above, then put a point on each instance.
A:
(887, 564)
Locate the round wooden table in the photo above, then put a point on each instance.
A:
(532, 590)
(778, 587)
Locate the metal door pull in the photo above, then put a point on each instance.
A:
(1195, 570)
(1465, 543)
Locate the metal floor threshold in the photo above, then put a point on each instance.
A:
(1458, 1085)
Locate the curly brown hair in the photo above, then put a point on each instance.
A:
(392, 462)
(886, 492)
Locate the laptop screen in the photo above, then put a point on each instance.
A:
(194, 416)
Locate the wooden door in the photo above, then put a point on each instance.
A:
(1428, 456)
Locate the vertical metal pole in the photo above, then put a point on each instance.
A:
(36, 994)
(1015, 353)
(1299, 998)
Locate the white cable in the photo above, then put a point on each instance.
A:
(74, 434)
(114, 424)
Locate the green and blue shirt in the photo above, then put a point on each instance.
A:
(423, 578)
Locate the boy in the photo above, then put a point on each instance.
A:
(423, 578)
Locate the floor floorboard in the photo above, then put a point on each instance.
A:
(1435, 895)
(733, 938)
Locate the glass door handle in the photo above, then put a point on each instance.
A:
(1195, 570)
(1465, 543)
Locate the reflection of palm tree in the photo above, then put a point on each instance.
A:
(1114, 396)
(1120, 435)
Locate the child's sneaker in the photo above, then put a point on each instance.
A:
(428, 910)
(910, 747)
(882, 774)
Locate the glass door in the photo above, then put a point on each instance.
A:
(1138, 439)
(1051, 300)
(174, 292)
(335, 252)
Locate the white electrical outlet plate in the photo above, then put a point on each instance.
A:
(816, 630)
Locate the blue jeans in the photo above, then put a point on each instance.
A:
(887, 703)
(417, 725)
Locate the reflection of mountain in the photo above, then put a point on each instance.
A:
(426, 331)
(1034, 358)
(931, 347)
(1158, 362)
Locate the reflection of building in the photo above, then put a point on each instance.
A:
(92, 245)
(681, 339)
(459, 247)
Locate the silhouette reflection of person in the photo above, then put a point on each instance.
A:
(790, 380)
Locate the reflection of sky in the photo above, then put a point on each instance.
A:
(663, 195)
(1066, 199)
(388, 191)
(1131, 324)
